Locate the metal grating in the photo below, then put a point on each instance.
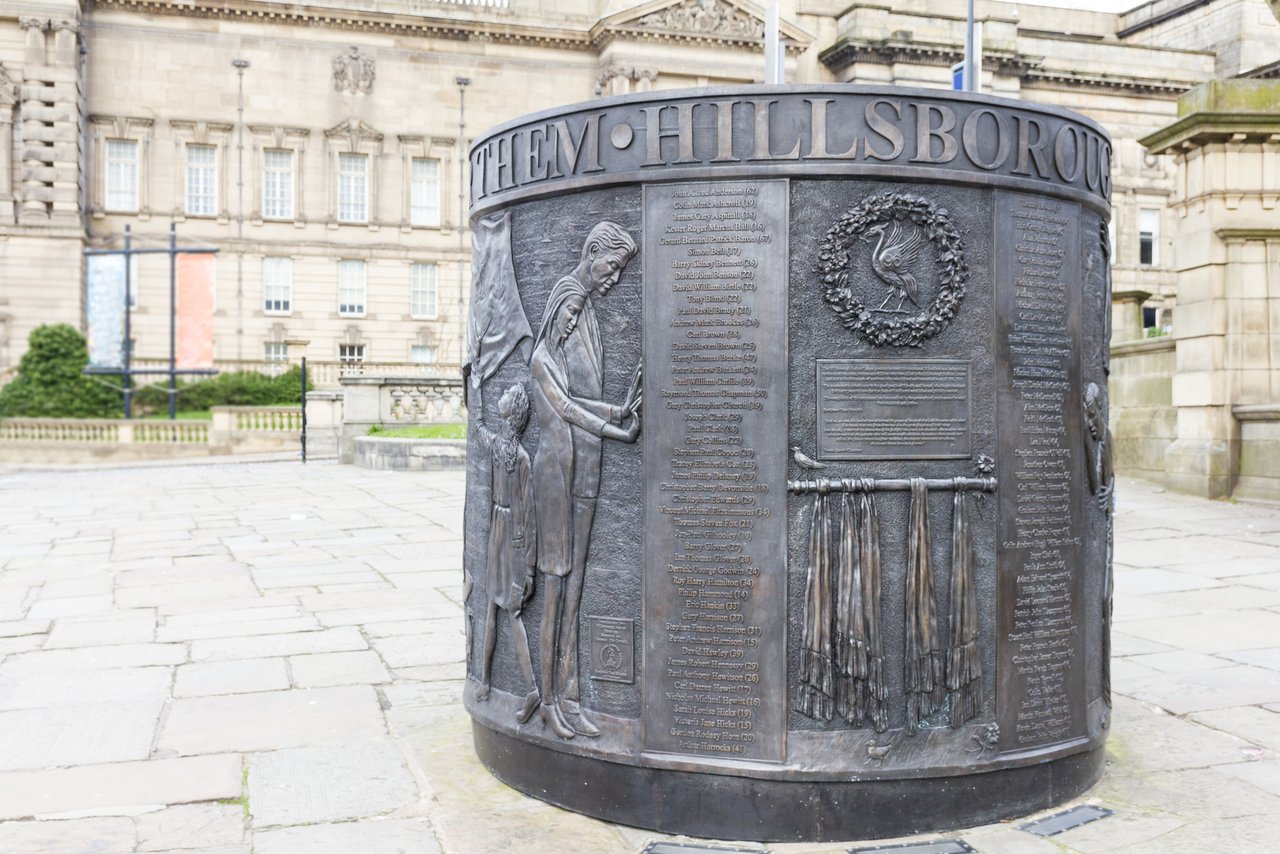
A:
(933, 846)
(690, 848)
(1066, 820)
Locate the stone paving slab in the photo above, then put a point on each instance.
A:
(121, 788)
(274, 719)
(325, 784)
(231, 677)
(367, 837)
(338, 668)
(277, 651)
(341, 639)
(78, 734)
(64, 689)
(88, 835)
(189, 826)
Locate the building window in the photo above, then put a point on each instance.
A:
(422, 354)
(422, 291)
(351, 353)
(202, 180)
(424, 192)
(275, 351)
(1148, 237)
(351, 289)
(277, 285)
(353, 188)
(122, 175)
(277, 184)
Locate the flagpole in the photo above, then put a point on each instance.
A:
(970, 69)
(773, 54)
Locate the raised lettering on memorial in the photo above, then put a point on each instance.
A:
(716, 519)
(1041, 700)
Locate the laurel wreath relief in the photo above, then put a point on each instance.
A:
(886, 328)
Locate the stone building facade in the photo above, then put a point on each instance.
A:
(321, 148)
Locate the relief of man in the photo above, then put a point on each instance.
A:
(1102, 482)
(568, 372)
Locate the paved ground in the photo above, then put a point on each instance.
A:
(267, 658)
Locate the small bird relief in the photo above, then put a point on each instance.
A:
(893, 269)
(843, 656)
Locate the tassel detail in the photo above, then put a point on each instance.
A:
(924, 660)
(877, 694)
(815, 695)
(964, 656)
(851, 636)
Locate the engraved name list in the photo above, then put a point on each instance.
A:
(715, 285)
(1041, 696)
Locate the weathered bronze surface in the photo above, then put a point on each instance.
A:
(715, 518)
(816, 465)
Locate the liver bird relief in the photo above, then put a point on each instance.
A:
(894, 254)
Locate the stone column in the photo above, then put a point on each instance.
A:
(1228, 228)
(1126, 315)
(8, 99)
(50, 175)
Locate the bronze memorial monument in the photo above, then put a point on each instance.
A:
(789, 469)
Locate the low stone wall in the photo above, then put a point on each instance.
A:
(87, 440)
(255, 429)
(370, 401)
(1259, 452)
(1143, 419)
(231, 430)
(377, 452)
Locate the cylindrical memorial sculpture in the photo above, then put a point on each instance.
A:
(789, 490)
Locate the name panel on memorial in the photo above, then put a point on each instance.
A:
(1041, 659)
(715, 392)
(893, 409)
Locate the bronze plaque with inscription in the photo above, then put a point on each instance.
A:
(893, 409)
(789, 492)
(613, 657)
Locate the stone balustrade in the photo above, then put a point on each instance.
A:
(392, 401)
(231, 430)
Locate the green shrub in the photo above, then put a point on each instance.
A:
(50, 382)
(238, 388)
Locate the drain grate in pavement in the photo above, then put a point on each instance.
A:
(686, 848)
(936, 846)
(1065, 820)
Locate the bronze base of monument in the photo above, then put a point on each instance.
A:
(719, 806)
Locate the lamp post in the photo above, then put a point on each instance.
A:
(462, 83)
(240, 65)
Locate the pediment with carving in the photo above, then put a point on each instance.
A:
(730, 21)
(354, 131)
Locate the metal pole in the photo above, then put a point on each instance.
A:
(240, 65)
(772, 46)
(463, 83)
(173, 322)
(970, 67)
(128, 323)
(304, 409)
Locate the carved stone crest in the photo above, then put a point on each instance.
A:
(714, 17)
(900, 227)
(8, 88)
(353, 73)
